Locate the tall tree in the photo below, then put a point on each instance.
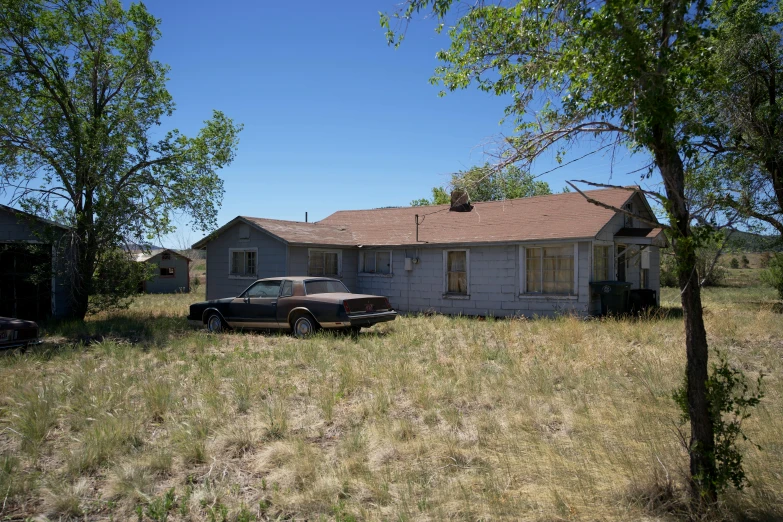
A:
(743, 118)
(80, 97)
(617, 69)
(486, 183)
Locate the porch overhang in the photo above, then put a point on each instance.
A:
(641, 236)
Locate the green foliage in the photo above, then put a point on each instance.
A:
(117, 281)
(158, 508)
(745, 261)
(81, 100)
(734, 263)
(773, 275)
(486, 183)
(730, 400)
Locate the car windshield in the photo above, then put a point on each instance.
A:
(325, 287)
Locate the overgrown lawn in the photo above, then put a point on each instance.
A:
(135, 414)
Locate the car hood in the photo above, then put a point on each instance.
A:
(10, 322)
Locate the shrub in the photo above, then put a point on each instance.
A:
(773, 275)
(734, 263)
(745, 261)
(709, 275)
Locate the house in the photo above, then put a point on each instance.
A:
(171, 273)
(33, 280)
(531, 256)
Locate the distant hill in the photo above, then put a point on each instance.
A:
(750, 242)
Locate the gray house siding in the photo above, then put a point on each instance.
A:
(270, 261)
(168, 285)
(494, 273)
(14, 229)
(298, 262)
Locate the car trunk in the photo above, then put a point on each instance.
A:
(366, 305)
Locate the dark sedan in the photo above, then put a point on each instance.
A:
(298, 304)
(17, 332)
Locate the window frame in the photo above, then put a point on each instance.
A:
(610, 261)
(445, 275)
(523, 272)
(165, 256)
(242, 276)
(363, 255)
(339, 253)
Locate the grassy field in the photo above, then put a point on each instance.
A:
(137, 416)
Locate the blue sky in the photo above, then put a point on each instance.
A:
(333, 118)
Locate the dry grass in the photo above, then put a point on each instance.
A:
(426, 418)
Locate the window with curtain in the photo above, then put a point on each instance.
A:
(324, 263)
(549, 270)
(601, 263)
(457, 272)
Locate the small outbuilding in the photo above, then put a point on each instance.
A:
(171, 272)
(34, 284)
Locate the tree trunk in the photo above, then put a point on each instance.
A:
(702, 441)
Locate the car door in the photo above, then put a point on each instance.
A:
(257, 306)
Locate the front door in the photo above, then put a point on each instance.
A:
(256, 307)
(621, 263)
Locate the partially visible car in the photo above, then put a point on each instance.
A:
(15, 333)
(301, 305)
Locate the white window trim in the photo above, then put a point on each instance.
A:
(549, 297)
(328, 251)
(231, 254)
(446, 294)
(375, 274)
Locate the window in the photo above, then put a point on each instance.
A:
(166, 272)
(628, 223)
(288, 289)
(456, 269)
(165, 257)
(324, 263)
(325, 287)
(601, 263)
(377, 262)
(242, 263)
(263, 290)
(549, 270)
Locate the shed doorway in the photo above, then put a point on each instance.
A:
(25, 281)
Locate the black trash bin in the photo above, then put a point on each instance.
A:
(614, 296)
(643, 299)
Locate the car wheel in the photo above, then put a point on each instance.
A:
(304, 326)
(215, 323)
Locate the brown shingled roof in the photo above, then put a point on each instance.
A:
(557, 216)
(306, 233)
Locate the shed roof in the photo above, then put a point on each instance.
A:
(146, 256)
(557, 216)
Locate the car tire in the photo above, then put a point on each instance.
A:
(215, 323)
(303, 326)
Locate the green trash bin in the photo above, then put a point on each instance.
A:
(614, 296)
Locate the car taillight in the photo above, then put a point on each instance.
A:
(346, 308)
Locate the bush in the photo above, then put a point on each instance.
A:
(773, 275)
(734, 263)
(745, 261)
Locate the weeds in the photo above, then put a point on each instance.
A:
(424, 418)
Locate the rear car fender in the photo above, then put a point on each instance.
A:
(207, 313)
(297, 310)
